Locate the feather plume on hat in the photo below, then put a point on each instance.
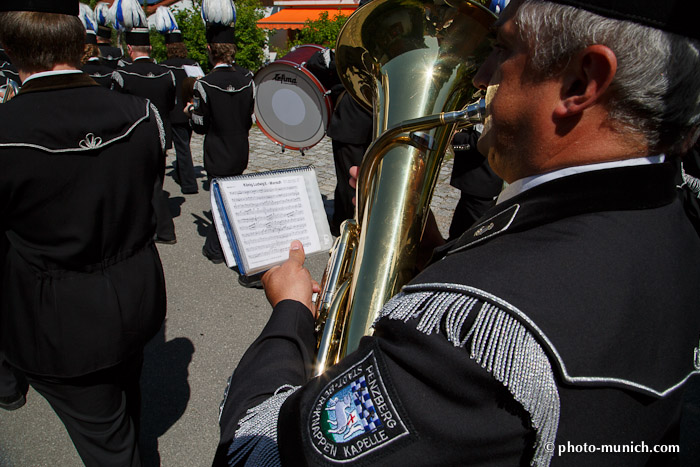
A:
(219, 12)
(164, 20)
(102, 13)
(128, 14)
(87, 18)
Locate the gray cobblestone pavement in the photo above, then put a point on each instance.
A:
(210, 322)
(267, 155)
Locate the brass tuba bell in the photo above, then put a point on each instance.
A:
(411, 62)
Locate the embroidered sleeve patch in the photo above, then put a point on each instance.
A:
(353, 415)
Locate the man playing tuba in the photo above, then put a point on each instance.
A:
(565, 317)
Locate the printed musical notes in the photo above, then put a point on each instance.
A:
(262, 213)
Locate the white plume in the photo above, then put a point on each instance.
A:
(102, 13)
(127, 14)
(219, 11)
(164, 20)
(87, 17)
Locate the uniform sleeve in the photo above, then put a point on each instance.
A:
(173, 93)
(200, 115)
(279, 358)
(405, 397)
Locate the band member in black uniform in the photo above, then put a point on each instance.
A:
(147, 79)
(182, 132)
(109, 53)
(566, 317)
(82, 283)
(92, 64)
(475, 180)
(222, 111)
(350, 128)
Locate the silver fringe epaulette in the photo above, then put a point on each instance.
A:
(496, 341)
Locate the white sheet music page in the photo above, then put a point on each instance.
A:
(268, 213)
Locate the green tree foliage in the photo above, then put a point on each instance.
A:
(193, 34)
(250, 39)
(323, 31)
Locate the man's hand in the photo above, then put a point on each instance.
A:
(354, 170)
(291, 280)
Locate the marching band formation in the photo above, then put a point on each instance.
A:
(562, 311)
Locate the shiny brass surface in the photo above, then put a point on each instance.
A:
(8, 91)
(411, 62)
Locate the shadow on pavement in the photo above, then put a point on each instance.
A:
(203, 222)
(165, 391)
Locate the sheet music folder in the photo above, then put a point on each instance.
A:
(257, 215)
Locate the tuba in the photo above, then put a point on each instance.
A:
(411, 62)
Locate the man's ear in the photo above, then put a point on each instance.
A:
(585, 79)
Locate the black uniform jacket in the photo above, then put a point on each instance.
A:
(110, 55)
(176, 65)
(567, 316)
(223, 111)
(145, 78)
(97, 70)
(471, 173)
(83, 285)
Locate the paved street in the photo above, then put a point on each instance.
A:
(211, 321)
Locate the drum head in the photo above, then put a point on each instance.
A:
(291, 107)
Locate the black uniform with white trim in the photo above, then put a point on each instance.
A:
(110, 55)
(224, 113)
(147, 79)
(97, 70)
(180, 122)
(567, 315)
(83, 287)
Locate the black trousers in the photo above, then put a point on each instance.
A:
(184, 167)
(345, 155)
(165, 227)
(100, 411)
(212, 245)
(10, 379)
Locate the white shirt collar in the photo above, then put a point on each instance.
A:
(524, 184)
(41, 74)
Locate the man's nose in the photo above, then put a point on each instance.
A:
(483, 75)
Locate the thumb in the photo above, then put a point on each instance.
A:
(296, 252)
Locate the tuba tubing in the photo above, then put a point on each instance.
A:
(412, 62)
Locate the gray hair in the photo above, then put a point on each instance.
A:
(656, 90)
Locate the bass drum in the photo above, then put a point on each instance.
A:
(291, 105)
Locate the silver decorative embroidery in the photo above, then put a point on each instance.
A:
(691, 182)
(198, 119)
(200, 89)
(256, 436)
(159, 121)
(118, 79)
(500, 344)
(90, 141)
(483, 229)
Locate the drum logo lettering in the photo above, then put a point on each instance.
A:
(282, 78)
